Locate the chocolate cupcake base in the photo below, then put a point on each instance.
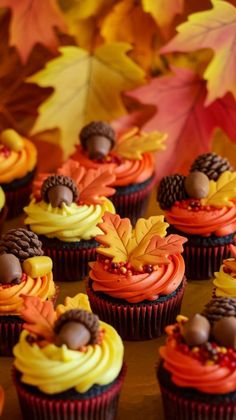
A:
(140, 321)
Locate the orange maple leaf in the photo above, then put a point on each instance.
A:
(39, 316)
(33, 22)
(94, 185)
(72, 169)
(2, 399)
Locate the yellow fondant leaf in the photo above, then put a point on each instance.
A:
(79, 301)
(222, 191)
(117, 233)
(134, 146)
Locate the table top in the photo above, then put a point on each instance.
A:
(140, 397)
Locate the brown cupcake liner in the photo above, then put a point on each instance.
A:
(10, 329)
(181, 408)
(3, 216)
(101, 407)
(17, 199)
(201, 262)
(141, 321)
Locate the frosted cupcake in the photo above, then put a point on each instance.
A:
(131, 158)
(65, 211)
(225, 279)
(197, 369)
(137, 282)
(18, 158)
(202, 206)
(68, 364)
(23, 271)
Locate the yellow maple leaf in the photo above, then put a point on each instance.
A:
(79, 301)
(134, 146)
(164, 12)
(83, 9)
(86, 86)
(222, 191)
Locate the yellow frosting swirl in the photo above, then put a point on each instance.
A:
(2, 198)
(68, 223)
(225, 283)
(55, 369)
(17, 164)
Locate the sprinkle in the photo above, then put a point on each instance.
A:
(123, 270)
(223, 350)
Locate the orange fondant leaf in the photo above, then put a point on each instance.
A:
(94, 185)
(72, 169)
(39, 316)
(144, 231)
(117, 233)
(156, 250)
(2, 399)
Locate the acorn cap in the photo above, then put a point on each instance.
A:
(88, 319)
(97, 128)
(22, 243)
(56, 181)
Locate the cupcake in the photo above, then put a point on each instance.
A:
(137, 282)
(67, 365)
(23, 270)
(65, 211)
(202, 206)
(225, 279)
(3, 208)
(18, 158)
(131, 158)
(198, 365)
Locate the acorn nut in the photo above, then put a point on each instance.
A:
(197, 185)
(60, 194)
(74, 335)
(224, 331)
(98, 146)
(10, 269)
(196, 331)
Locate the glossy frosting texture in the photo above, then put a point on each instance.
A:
(10, 296)
(218, 221)
(139, 287)
(188, 372)
(68, 223)
(127, 171)
(225, 283)
(55, 369)
(17, 164)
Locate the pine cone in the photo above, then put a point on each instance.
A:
(218, 308)
(90, 321)
(97, 128)
(54, 180)
(171, 189)
(211, 165)
(22, 243)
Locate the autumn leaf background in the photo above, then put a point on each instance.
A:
(161, 65)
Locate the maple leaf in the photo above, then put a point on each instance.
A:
(85, 85)
(39, 316)
(95, 184)
(215, 29)
(79, 301)
(117, 233)
(72, 169)
(33, 22)
(222, 191)
(2, 398)
(156, 250)
(84, 9)
(181, 113)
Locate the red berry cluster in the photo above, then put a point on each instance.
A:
(192, 205)
(124, 268)
(5, 151)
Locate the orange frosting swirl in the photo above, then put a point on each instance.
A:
(10, 296)
(17, 164)
(218, 221)
(127, 171)
(139, 287)
(188, 372)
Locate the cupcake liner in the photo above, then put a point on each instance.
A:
(3, 215)
(141, 321)
(10, 329)
(132, 201)
(101, 407)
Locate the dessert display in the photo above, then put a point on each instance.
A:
(65, 211)
(137, 282)
(23, 270)
(225, 279)
(18, 159)
(68, 364)
(197, 371)
(131, 158)
(202, 206)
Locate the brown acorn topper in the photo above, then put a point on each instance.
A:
(197, 184)
(97, 138)
(196, 331)
(10, 269)
(224, 331)
(59, 189)
(22, 243)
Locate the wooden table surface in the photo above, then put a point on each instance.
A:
(140, 398)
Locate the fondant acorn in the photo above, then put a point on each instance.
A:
(196, 331)
(59, 189)
(97, 138)
(224, 331)
(10, 269)
(196, 184)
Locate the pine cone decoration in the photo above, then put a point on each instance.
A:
(90, 321)
(211, 165)
(171, 189)
(55, 180)
(218, 308)
(22, 243)
(97, 128)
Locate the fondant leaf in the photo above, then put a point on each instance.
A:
(39, 316)
(94, 185)
(117, 233)
(222, 191)
(2, 398)
(134, 146)
(157, 250)
(144, 231)
(79, 301)
(72, 169)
